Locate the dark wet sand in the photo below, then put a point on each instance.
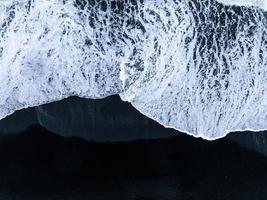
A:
(37, 164)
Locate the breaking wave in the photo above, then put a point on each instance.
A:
(193, 65)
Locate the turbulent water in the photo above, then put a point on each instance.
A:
(198, 66)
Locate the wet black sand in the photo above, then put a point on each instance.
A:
(38, 164)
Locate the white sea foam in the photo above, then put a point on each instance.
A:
(193, 65)
(257, 3)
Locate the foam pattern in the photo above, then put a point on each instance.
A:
(52, 49)
(193, 65)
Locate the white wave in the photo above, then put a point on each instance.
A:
(52, 50)
(208, 76)
(196, 66)
(257, 3)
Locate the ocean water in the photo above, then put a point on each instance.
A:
(196, 66)
(95, 98)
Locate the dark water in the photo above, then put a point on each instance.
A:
(103, 120)
(113, 152)
(37, 164)
(98, 120)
